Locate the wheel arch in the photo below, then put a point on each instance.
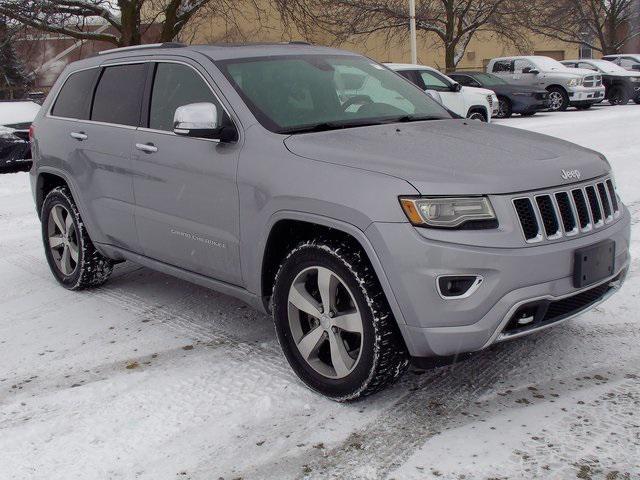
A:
(287, 229)
(556, 85)
(45, 182)
(480, 109)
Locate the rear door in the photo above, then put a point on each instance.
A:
(104, 156)
(186, 194)
(96, 114)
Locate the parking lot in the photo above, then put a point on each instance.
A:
(150, 377)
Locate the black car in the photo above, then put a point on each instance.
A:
(620, 85)
(15, 149)
(513, 98)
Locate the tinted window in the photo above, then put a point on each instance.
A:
(174, 86)
(465, 80)
(73, 100)
(119, 95)
(503, 66)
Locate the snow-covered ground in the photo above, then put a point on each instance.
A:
(153, 378)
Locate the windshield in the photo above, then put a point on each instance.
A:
(607, 67)
(318, 92)
(547, 63)
(488, 80)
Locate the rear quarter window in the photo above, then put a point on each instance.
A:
(118, 97)
(75, 96)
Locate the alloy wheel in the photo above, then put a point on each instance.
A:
(63, 240)
(325, 322)
(556, 100)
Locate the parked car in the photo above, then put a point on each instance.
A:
(15, 120)
(512, 98)
(566, 86)
(627, 61)
(621, 85)
(474, 103)
(372, 234)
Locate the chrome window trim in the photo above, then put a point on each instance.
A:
(113, 63)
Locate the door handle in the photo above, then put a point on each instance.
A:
(147, 147)
(80, 136)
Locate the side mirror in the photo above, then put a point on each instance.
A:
(197, 120)
(456, 87)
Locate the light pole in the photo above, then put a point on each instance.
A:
(412, 28)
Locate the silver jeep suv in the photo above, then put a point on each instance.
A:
(566, 86)
(374, 228)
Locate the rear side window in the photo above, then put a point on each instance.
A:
(503, 66)
(118, 97)
(174, 86)
(74, 97)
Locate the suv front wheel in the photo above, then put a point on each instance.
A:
(333, 321)
(72, 257)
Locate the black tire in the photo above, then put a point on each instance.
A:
(619, 96)
(505, 110)
(382, 356)
(528, 114)
(91, 268)
(637, 100)
(559, 99)
(477, 115)
(585, 106)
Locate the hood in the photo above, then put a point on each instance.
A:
(453, 157)
(579, 72)
(479, 91)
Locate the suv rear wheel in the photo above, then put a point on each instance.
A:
(558, 99)
(333, 321)
(72, 257)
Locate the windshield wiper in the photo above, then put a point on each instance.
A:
(324, 126)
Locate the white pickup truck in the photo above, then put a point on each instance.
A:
(470, 102)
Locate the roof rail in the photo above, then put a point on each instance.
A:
(143, 47)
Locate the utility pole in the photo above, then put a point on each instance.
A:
(412, 24)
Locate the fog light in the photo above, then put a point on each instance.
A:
(458, 286)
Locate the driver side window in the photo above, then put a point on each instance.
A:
(176, 85)
(434, 82)
(520, 66)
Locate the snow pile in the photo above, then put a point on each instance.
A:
(18, 112)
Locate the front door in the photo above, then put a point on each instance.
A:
(187, 210)
(454, 101)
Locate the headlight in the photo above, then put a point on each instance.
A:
(575, 82)
(446, 212)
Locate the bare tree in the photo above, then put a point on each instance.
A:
(119, 22)
(14, 79)
(453, 22)
(603, 25)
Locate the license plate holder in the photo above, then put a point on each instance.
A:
(594, 263)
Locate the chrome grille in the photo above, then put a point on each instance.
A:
(565, 213)
(593, 81)
(490, 100)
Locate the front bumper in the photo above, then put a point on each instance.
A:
(586, 94)
(512, 277)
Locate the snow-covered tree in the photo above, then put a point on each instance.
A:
(127, 20)
(14, 78)
(603, 25)
(452, 22)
